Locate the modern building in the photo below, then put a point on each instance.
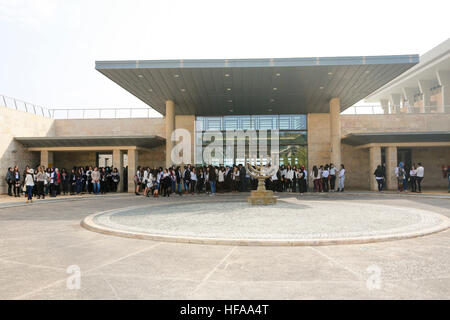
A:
(301, 97)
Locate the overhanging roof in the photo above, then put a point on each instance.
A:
(255, 86)
(357, 139)
(83, 141)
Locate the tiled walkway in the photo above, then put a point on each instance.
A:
(39, 243)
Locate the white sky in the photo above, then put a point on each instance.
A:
(48, 48)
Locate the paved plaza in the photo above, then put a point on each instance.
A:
(42, 243)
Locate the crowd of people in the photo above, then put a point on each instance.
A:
(40, 182)
(407, 178)
(212, 179)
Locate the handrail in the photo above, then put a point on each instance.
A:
(128, 113)
(377, 109)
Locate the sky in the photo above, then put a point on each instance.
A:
(48, 48)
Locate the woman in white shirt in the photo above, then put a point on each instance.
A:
(341, 177)
(29, 183)
(193, 180)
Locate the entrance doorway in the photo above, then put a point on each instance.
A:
(404, 155)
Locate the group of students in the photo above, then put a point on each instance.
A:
(41, 181)
(407, 178)
(210, 179)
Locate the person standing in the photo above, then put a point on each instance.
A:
(29, 184)
(332, 177)
(40, 178)
(95, 175)
(212, 177)
(341, 177)
(325, 178)
(400, 174)
(115, 179)
(16, 180)
(419, 176)
(379, 176)
(413, 177)
(10, 180)
(315, 176)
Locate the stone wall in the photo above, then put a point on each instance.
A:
(14, 123)
(432, 159)
(318, 139)
(357, 160)
(110, 127)
(406, 122)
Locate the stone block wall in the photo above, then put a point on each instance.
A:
(14, 123)
(110, 127)
(318, 139)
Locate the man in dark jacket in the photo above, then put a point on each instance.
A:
(10, 180)
(242, 175)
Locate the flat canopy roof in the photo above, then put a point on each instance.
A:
(83, 141)
(357, 139)
(255, 86)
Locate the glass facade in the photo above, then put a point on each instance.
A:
(291, 129)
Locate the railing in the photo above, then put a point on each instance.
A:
(123, 113)
(106, 113)
(396, 110)
(24, 106)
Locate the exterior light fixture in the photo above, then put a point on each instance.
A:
(278, 74)
(330, 73)
(227, 75)
(275, 89)
(183, 90)
(177, 75)
(140, 76)
(228, 89)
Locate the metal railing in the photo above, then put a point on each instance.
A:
(24, 106)
(124, 113)
(102, 113)
(396, 110)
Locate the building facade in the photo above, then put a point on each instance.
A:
(302, 99)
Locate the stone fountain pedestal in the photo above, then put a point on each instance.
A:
(261, 195)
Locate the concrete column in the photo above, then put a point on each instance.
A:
(395, 99)
(335, 131)
(425, 86)
(444, 81)
(170, 127)
(385, 105)
(46, 158)
(391, 163)
(118, 163)
(132, 166)
(374, 161)
(409, 93)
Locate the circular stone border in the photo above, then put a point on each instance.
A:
(89, 224)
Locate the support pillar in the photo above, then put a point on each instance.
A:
(391, 163)
(170, 127)
(132, 166)
(443, 77)
(117, 161)
(408, 94)
(425, 86)
(46, 158)
(385, 105)
(395, 99)
(374, 161)
(335, 131)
